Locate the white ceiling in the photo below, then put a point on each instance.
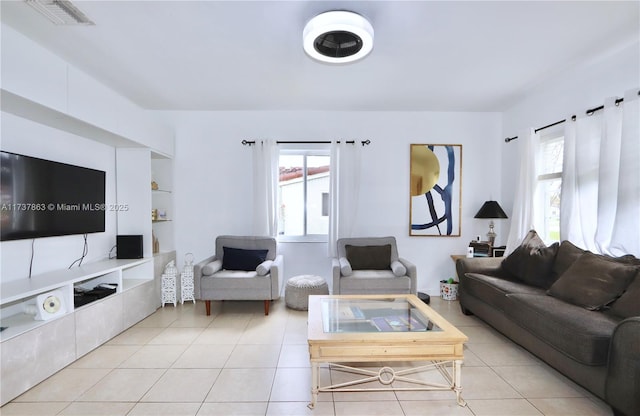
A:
(247, 55)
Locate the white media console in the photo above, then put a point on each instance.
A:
(33, 350)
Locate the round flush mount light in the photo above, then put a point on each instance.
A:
(338, 37)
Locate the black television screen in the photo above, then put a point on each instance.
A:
(42, 198)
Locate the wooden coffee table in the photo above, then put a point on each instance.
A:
(382, 328)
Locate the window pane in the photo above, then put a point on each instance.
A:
(317, 185)
(291, 195)
(303, 194)
(552, 151)
(550, 191)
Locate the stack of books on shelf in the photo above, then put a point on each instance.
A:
(481, 248)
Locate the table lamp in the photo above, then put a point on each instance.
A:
(492, 210)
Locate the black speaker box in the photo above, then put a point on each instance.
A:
(129, 246)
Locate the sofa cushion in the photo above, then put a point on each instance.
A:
(264, 268)
(241, 259)
(211, 267)
(567, 255)
(345, 266)
(493, 290)
(398, 268)
(532, 261)
(593, 281)
(369, 257)
(580, 334)
(376, 282)
(629, 303)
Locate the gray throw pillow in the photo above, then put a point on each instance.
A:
(629, 303)
(345, 267)
(369, 257)
(212, 267)
(264, 268)
(398, 268)
(567, 255)
(532, 261)
(593, 281)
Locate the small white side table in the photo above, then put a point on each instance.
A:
(168, 284)
(186, 280)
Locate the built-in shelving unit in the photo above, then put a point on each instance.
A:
(26, 360)
(162, 201)
(16, 296)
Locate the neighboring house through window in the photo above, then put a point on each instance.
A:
(303, 190)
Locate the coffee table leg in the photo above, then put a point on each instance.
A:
(458, 386)
(315, 384)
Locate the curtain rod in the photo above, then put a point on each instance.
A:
(252, 142)
(573, 118)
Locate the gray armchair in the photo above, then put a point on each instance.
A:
(242, 268)
(371, 265)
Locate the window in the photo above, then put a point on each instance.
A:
(303, 194)
(551, 152)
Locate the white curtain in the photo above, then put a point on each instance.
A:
(523, 217)
(265, 187)
(600, 202)
(343, 191)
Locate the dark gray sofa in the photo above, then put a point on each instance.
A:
(577, 311)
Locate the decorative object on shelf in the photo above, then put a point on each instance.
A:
(449, 289)
(154, 214)
(168, 285)
(436, 190)
(156, 243)
(480, 249)
(491, 210)
(49, 305)
(186, 280)
(154, 185)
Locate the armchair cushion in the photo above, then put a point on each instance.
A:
(345, 266)
(264, 267)
(398, 268)
(240, 259)
(369, 257)
(211, 268)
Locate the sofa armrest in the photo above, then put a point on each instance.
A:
(276, 272)
(197, 274)
(412, 272)
(482, 265)
(335, 267)
(623, 371)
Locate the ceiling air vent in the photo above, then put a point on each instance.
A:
(60, 12)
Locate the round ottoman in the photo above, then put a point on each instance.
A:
(298, 289)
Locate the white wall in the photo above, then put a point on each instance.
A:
(571, 92)
(26, 137)
(213, 178)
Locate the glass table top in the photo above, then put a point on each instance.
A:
(373, 315)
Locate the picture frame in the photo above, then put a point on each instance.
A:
(435, 190)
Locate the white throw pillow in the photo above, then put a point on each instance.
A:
(264, 268)
(210, 268)
(398, 268)
(345, 267)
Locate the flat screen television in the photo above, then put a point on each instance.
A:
(43, 198)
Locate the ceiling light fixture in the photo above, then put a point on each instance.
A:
(338, 37)
(60, 12)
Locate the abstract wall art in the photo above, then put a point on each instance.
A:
(436, 179)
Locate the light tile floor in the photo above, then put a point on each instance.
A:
(239, 362)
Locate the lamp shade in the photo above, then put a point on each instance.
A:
(491, 209)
